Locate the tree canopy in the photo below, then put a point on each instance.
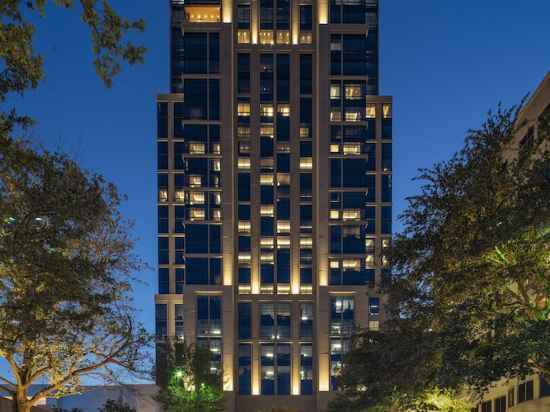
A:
(469, 300)
(66, 266)
(188, 385)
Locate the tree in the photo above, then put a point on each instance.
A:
(190, 385)
(66, 266)
(469, 301)
(22, 67)
(116, 406)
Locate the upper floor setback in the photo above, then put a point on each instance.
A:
(275, 21)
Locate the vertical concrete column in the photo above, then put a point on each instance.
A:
(255, 170)
(295, 172)
(227, 148)
(228, 336)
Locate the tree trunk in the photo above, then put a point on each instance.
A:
(22, 404)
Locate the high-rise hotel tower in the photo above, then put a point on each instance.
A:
(274, 192)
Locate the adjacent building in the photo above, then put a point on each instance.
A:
(274, 191)
(531, 394)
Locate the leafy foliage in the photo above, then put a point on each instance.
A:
(21, 66)
(190, 386)
(66, 263)
(469, 301)
(116, 406)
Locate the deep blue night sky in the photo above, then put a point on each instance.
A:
(445, 62)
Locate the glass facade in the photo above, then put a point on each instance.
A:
(274, 190)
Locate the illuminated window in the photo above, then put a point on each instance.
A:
(179, 196)
(386, 243)
(304, 132)
(243, 36)
(369, 243)
(306, 163)
(196, 214)
(244, 257)
(163, 195)
(353, 116)
(353, 91)
(243, 163)
(385, 261)
(283, 37)
(334, 91)
(283, 147)
(244, 148)
(243, 131)
(334, 264)
(283, 289)
(202, 14)
(374, 325)
(305, 38)
(216, 165)
(267, 131)
(283, 179)
(266, 179)
(197, 148)
(335, 115)
(266, 110)
(267, 257)
(283, 242)
(351, 264)
(352, 148)
(196, 198)
(243, 110)
(335, 214)
(195, 181)
(267, 242)
(387, 111)
(283, 226)
(244, 226)
(267, 210)
(283, 110)
(217, 215)
(334, 148)
(306, 242)
(351, 214)
(217, 198)
(266, 37)
(369, 260)
(371, 111)
(216, 148)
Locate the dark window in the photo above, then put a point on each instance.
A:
(306, 18)
(162, 155)
(283, 266)
(386, 157)
(163, 251)
(306, 320)
(161, 320)
(162, 120)
(306, 369)
(487, 406)
(197, 271)
(305, 110)
(266, 14)
(386, 188)
(283, 77)
(179, 251)
(164, 281)
(180, 280)
(245, 320)
(386, 220)
(500, 404)
(266, 77)
(197, 238)
(374, 306)
(544, 387)
(306, 73)
(163, 226)
(283, 14)
(525, 392)
(243, 73)
(245, 368)
(243, 187)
